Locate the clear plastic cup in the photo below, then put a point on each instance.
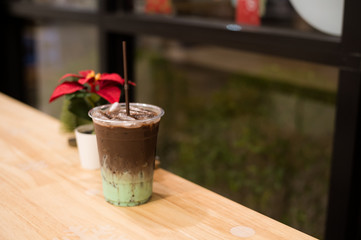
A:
(127, 152)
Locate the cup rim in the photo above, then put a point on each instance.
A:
(160, 113)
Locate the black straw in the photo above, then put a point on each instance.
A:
(125, 78)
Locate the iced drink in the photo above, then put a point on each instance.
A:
(127, 148)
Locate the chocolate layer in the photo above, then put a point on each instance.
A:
(124, 149)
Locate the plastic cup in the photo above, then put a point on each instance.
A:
(127, 152)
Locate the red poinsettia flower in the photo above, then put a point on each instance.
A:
(106, 85)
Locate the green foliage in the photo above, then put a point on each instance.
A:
(76, 107)
(69, 120)
(80, 103)
(229, 139)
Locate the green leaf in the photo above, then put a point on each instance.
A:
(77, 94)
(92, 99)
(79, 107)
(69, 120)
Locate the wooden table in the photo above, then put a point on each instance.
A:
(45, 194)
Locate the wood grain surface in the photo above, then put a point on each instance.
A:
(45, 194)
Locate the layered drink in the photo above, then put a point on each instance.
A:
(127, 148)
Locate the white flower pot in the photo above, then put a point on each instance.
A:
(87, 147)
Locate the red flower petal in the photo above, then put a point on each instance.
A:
(110, 93)
(112, 77)
(84, 80)
(84, 73)
(104, 84)
(84, 76)
(132, 83)
(65, 88)
(69, 75)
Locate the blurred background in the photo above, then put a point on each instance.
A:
(257, 129)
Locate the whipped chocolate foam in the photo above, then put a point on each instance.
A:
(117, 112)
